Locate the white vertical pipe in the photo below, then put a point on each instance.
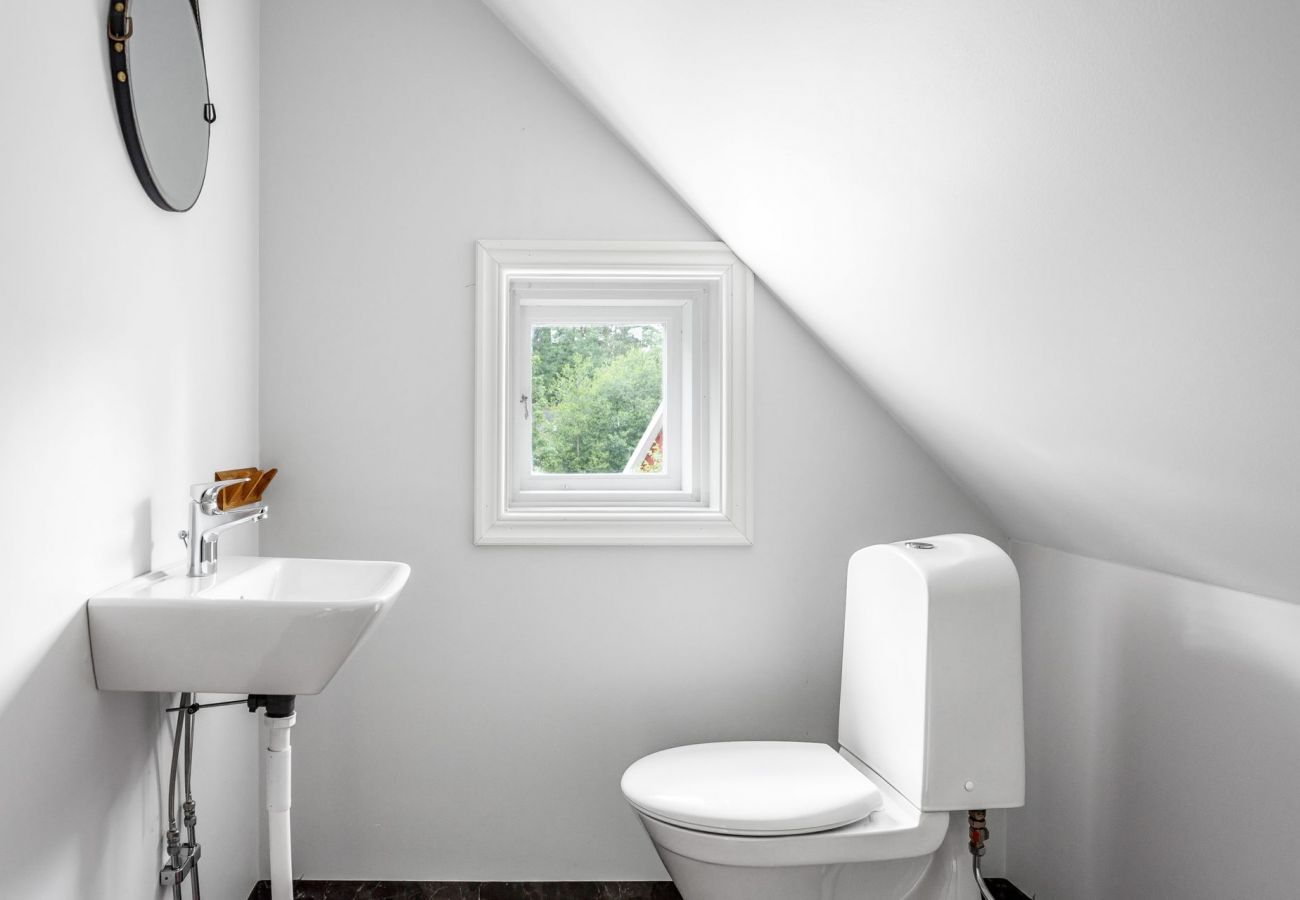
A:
(279, 784)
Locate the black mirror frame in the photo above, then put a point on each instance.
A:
(120, 29)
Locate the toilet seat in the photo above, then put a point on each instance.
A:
(898, 830)
(751, 788)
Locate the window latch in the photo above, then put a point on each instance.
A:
(527, 404)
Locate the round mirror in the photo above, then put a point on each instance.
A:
(160, 84)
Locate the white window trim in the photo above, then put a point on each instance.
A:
(717, 510)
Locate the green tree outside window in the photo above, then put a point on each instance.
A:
(595, 389)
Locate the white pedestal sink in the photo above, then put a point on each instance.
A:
(258, 625)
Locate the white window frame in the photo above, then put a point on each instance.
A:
(702, 295)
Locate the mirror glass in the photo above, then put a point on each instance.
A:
(161, 87)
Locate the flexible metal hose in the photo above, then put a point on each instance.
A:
(176, 754)
(173, 835)
(977, 822)
(979, 879)
(189, 799)
(189, 752)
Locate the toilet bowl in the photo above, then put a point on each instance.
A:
(930, 722)
(759, 837)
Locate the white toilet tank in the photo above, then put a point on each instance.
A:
(930, 696)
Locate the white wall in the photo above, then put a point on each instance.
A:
(1061, 235)
(1162, 718)
(128, 365)
(481, 732)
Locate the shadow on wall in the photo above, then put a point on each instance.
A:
(80, 803)
(1162, 730)
(76, 762)
(142, 537)
(1205, 750)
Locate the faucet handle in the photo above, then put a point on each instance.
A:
(205, 494)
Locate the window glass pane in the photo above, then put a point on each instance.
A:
(597, 392)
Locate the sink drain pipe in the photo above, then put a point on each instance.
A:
(280, 718)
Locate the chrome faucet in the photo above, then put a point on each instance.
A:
(202, 542)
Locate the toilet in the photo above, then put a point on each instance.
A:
(931, 722)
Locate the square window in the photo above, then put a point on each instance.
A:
(612, 394)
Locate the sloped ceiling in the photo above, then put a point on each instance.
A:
(1061, 241)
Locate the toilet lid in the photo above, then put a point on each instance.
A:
(760, 788)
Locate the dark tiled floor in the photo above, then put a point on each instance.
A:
(1005, 890)
(513, 890)
(475, 890)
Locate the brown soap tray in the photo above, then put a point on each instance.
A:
(243, 494)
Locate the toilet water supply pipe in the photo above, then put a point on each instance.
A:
(979, 833)
(279, 755)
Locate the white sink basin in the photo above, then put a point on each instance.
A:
(260, 625)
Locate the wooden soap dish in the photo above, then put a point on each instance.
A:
(250, 491)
